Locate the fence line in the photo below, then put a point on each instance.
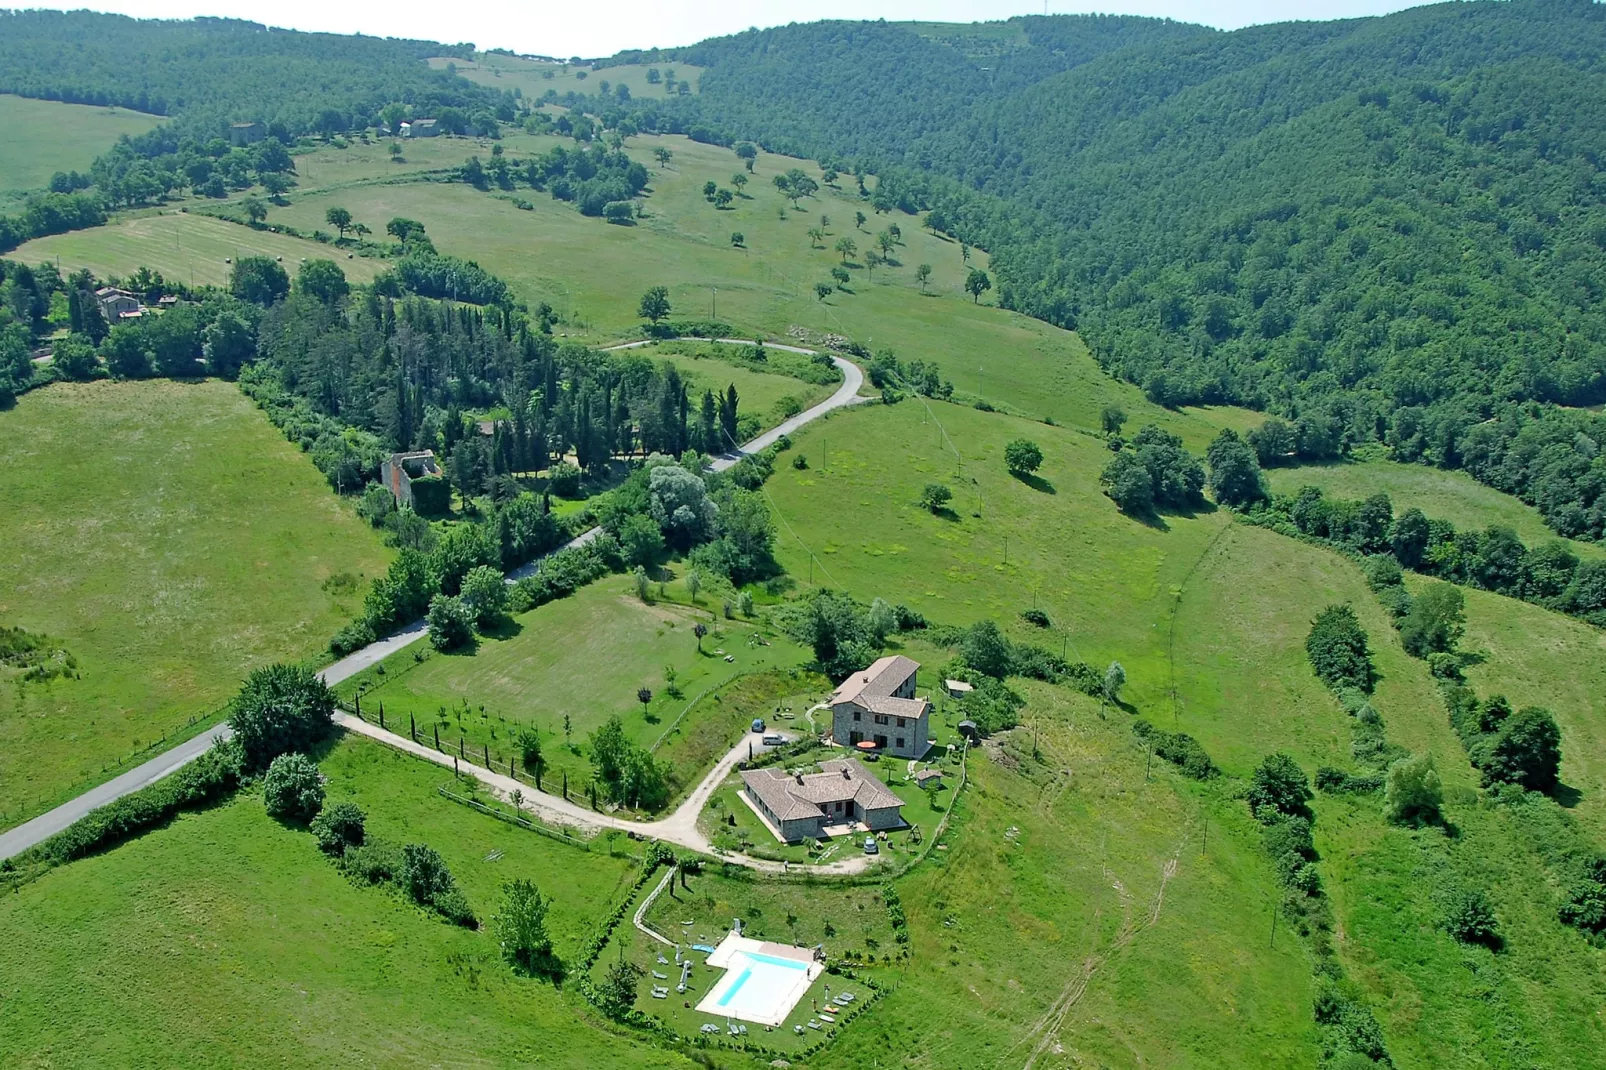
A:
(514, 819)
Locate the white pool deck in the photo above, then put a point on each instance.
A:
(762, 982)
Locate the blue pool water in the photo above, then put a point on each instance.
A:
(735, 986)
(774, 960)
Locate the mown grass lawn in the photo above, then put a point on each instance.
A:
(45, 136)
(226, 939)
(189, 248)
(171, 539)
(583, 658)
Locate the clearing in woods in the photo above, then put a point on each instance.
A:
(45, 136)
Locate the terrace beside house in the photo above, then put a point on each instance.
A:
(844, 797)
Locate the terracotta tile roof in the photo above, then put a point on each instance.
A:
(879, 681)
(790, 797)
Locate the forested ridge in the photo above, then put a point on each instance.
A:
(207, 72)
(1389, 229)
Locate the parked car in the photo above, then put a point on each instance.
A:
(758, 724)
(870, 846)
(774, 739)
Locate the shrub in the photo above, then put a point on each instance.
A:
(280, 708)
(338, 828)
(564, 480)
(1525, 751)
(1413, 793)
(424, 875)
(453, 906)
(373, 862)
(1279, 787)
(292, 790)
(1037, 617)
(354, 636)
(451, 623)
(1469, 917)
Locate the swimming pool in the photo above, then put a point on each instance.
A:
(759, 985)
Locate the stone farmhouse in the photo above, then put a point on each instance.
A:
(117, 304)
(879, 705)
(842, 797)
(420, 128)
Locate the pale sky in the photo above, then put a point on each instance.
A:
(559, 28)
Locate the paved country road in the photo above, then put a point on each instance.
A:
(26, 835)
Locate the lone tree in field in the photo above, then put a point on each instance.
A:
(338, 218)
(1022, 457)
(887, 243)
(280, 708)
(738, 240)
(822, 290)
(699, 630)
(847, 247)
(663, 156)
(858, 220)
(977, 283)
(1112, 419)
(935, 497)
(520, 928)
(747, 152)
(923, 276)
(1114, 680)
(255, 210)
(654, 304)
(739, 180)
(644, 696)
(816, 237)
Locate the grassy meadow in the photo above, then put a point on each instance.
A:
(534, 77)
(1452, 496)
(45, 136)
(766, 394)
(583, 659)
(192, 249)
(226, 939)
(168, 537)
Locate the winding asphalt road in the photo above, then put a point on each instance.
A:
(674, 828)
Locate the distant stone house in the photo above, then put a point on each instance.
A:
(246, 133)
(421, 128)
(399, 470)
(879, 705)
(842, 796)
(115, 303)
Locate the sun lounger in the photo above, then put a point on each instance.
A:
(814, 1023)
(703, 948)
(660, 993)
(660, 976)
(709, 1027)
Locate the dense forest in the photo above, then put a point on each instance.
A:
(207, 72)
(1387, 229)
